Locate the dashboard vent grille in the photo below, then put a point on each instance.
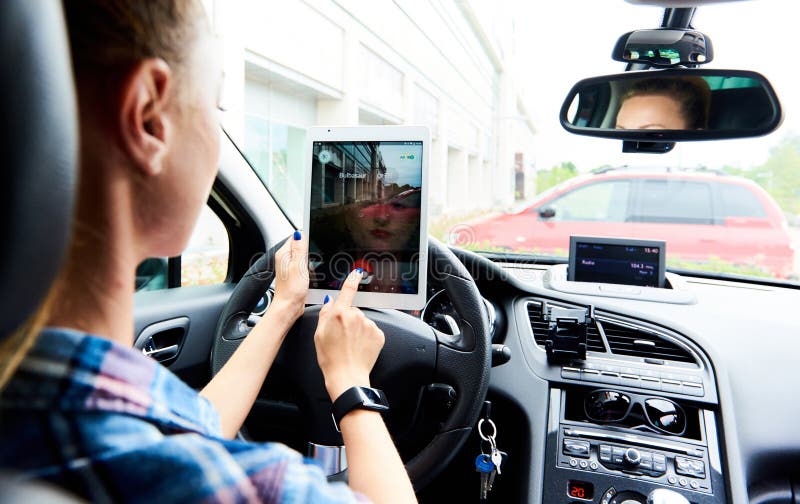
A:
(539, 327)
(640, 342)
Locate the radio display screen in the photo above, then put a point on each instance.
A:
(617, 261)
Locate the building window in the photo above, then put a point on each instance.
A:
(381, 83)
(426, 110)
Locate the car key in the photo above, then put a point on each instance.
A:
(503, 458)
(486, 468)
(497, 459)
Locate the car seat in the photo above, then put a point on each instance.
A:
(38, 179)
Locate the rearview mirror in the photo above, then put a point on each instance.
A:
(673, 105)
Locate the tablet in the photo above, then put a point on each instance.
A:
(617, 261)
(366, 207)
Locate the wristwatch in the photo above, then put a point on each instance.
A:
(358, 398)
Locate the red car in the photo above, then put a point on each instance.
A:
(702, 216)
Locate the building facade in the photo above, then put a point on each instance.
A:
(446, 64)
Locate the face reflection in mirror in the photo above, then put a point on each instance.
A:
(665, 104)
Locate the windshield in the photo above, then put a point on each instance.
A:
(488, 78)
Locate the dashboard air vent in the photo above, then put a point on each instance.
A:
(539, 326)
(627, 339)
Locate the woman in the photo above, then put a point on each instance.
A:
(665, 103)
(83, 409)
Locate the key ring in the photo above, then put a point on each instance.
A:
(486, 437)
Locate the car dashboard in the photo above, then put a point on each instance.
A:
(723, 355)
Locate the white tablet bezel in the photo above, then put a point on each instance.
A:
(422, 134)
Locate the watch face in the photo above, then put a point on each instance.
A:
(372, 395)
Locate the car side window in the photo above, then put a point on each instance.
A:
(204, 262)
(599, 201)
(739, 201)
(673, 202)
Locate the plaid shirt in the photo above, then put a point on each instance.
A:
(109, 424)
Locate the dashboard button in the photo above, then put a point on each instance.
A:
(659, 463)
(690, 467)
(650, 382)
(683, 482)
(632, 457)
(590, 375)
(593, 466)
(690, 378)
(571, 373)
(609, 377)
(668, 385)
(672, 480)
(629, 380)
(610, 493)
(695, 389)
(583, 464)
(694, 484)
(573, 462)
(576, 448)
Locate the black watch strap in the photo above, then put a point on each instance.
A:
(358, 398)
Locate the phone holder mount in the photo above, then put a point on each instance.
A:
(566, 334)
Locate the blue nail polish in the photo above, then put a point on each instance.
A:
(361, 271)
(327, 298)
(297, 235)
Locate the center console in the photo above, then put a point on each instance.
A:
(625, 462)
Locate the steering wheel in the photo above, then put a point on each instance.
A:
(414, 355)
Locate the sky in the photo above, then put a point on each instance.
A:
(402, 169)
(556, 40)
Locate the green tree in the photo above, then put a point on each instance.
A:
(545, 179)
(779, 174)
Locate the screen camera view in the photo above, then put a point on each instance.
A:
(365, 213)
(617, 264)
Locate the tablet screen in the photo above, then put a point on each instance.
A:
(365, 213)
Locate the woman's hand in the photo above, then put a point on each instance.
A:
(347, 342)
(291, 276)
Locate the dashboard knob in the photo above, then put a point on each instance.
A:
(664, 496)
(632, 456)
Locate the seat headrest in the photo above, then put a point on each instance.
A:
(39, 144)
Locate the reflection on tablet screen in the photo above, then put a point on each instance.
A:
(365, 213)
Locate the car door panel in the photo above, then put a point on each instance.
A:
(196, 310)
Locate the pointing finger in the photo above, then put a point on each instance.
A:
(349, 288)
